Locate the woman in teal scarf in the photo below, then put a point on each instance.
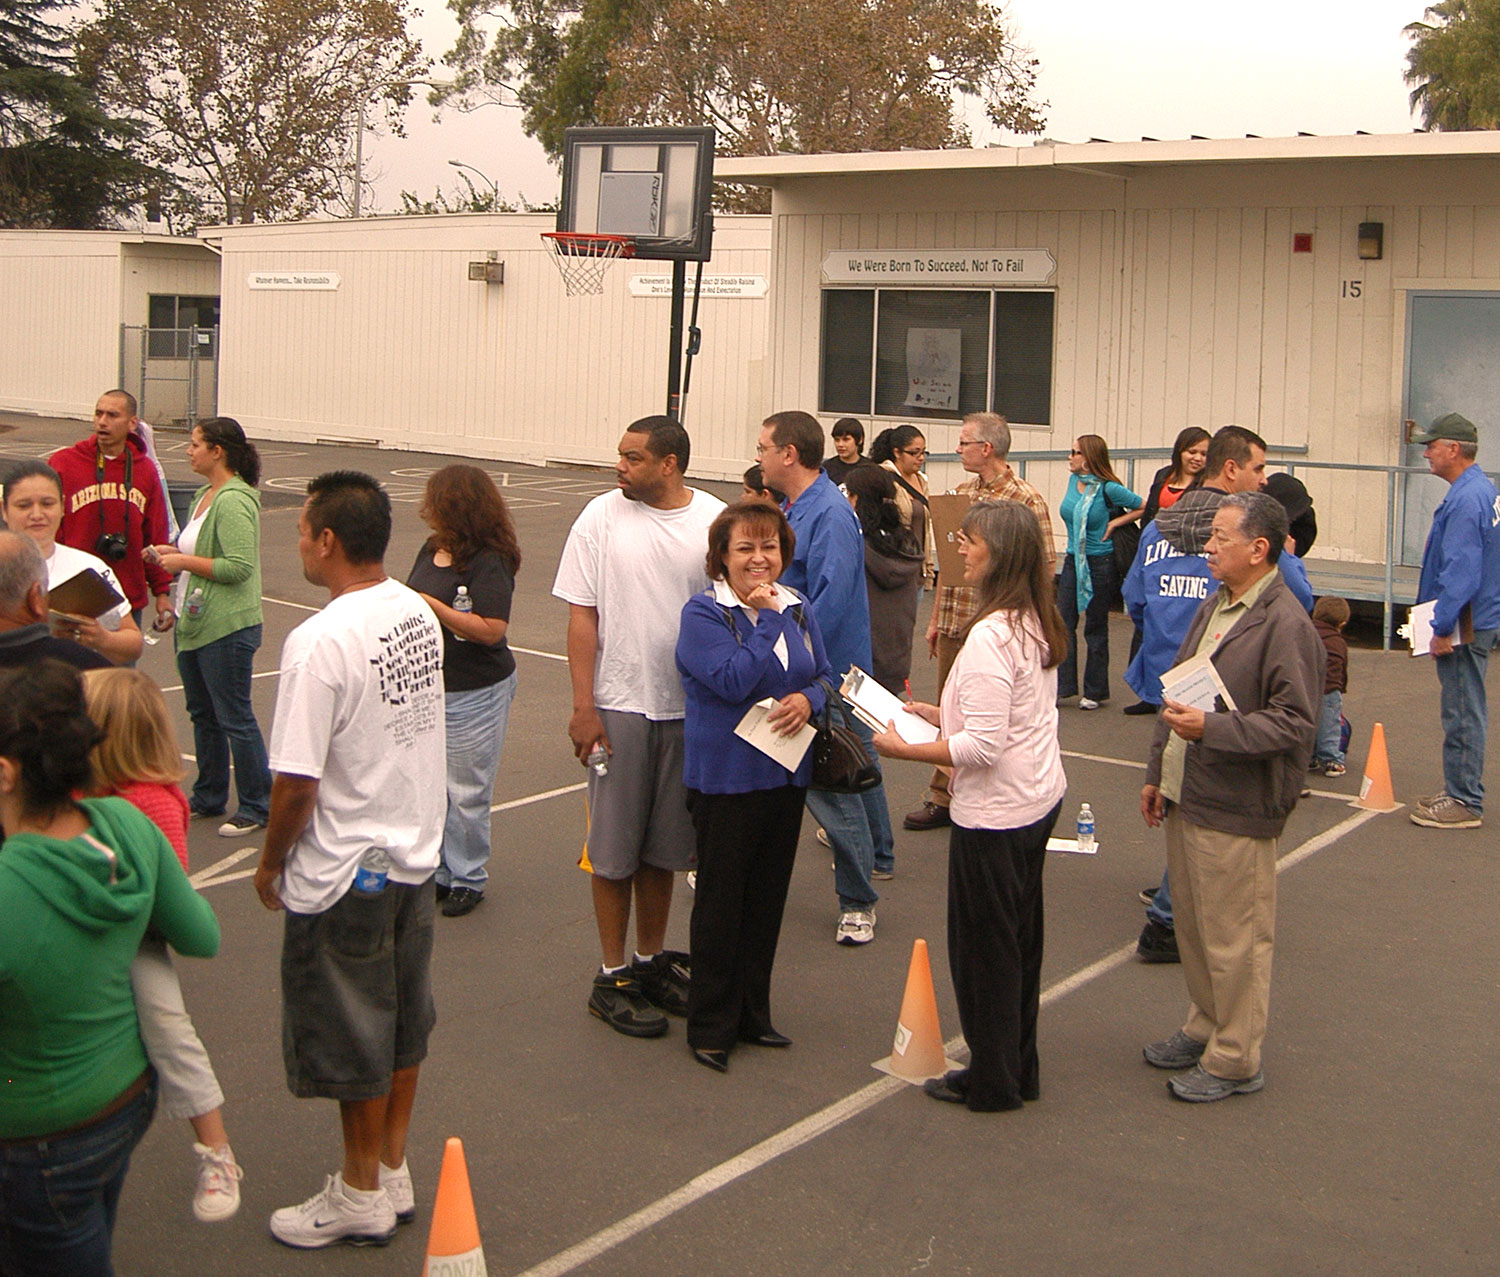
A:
(1087, 583)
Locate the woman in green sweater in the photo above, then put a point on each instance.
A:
(79, 882)
(219, 623)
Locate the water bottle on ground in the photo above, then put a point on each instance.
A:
(462, 603)
(599, 760)
(370, 877)
(1085, 828)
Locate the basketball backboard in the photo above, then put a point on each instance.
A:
(653, 184)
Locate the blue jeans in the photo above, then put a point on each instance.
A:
(1330, 729)
(476, 732)
(58, 1196)
(1465, 718)
(859, 827)
(1160, 908)
(1095, 627)
(216, 686)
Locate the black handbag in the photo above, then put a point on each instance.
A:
(841, 764)
(1124, 541)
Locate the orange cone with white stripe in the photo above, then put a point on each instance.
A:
(917, 1053)
(1375, 792)
(453, 1243)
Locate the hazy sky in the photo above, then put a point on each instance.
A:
(1108, 69)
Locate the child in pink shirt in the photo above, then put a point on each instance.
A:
(137, 758)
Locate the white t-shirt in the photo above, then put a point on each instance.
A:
(187, 543)
(638, 566)
(66, 563)
(360, 709)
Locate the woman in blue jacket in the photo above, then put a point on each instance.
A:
(1087, 582)
(745, 640)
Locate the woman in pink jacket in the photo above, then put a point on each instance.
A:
(998, 722)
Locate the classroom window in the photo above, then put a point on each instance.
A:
(169, 317)
(926, 353)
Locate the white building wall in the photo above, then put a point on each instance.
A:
(1179, 298)
(409, 353)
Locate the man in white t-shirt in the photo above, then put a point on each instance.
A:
(632, 560)
(357, 808)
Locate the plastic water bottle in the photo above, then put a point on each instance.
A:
(599, 760)
(374, 866)
(1085, 828)
(462, 603)
(194, 606)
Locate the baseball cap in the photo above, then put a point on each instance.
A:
(1449, 426)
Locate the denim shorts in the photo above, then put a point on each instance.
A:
(356, 992)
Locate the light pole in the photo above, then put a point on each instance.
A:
(359, 136)
(493, 185)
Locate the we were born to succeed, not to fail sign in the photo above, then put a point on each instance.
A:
(944, 268)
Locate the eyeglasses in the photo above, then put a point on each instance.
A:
(761, 449)
(1075, 452)
(968, 443)
(914, 452)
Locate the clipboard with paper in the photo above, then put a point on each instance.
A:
(1196, 683)
(875, 706)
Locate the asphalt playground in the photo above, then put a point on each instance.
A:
(1371, 1149)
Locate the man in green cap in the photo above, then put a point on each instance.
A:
(1461, 571)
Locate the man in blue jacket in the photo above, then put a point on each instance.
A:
(828, 567)
(1461, 571)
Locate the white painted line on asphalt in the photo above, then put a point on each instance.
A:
(209, 877)
(539, 798)
(531, 651)
(841, 1111)
(301, 607)
(1101, 758)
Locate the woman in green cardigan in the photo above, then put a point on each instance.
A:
(219, 623)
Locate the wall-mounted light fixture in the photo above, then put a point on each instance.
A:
(1371, 243)
(489, 271)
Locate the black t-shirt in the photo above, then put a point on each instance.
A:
(468, 665)
(837, 469)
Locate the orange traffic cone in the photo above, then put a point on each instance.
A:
(918, 1050)
(453, 1243)
(1375, 793)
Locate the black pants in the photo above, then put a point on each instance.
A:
(747, 844)
(995, 956)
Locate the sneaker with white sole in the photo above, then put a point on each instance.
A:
(1445, 812)
(856, 926)
(240, 827)
(218, 1193)
(398, 1184)
(1085, 702)
(334, 1216)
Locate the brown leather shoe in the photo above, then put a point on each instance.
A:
(927, 816)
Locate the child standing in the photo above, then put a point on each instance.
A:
(1330, 615)
(138, 760)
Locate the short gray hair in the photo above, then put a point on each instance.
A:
(990, 428)
(1468, 450)
(1261, 516)
(21, 567)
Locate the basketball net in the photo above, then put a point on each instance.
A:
(584, 260)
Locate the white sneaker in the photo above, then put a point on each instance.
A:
(334, 1216)
(398, 1184)
(218, 1193)
(856, 927)
(692, 877)
(822, 837)
(1085, 703)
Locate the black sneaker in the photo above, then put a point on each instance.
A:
(461, 900)
(1158, 943)
(664, 980)
(617, 1000)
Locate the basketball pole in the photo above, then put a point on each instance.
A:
(674, 354)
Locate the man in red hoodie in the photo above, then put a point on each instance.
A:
(113, 503)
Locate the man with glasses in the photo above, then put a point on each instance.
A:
(828, 567)
(983, 446)
(1461, 573)
(1224, 782)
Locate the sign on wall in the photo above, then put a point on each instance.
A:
(713, 286)
(946, 268)
(321, 281)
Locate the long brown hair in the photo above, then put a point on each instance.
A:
(469, 515)
(1096, 457)
(1017, 579)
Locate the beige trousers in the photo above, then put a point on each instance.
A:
(1224, 908)
(947, 652)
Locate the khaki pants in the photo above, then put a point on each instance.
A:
(947, 652)
(1224, 906)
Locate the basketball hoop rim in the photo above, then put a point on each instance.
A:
(623, 245)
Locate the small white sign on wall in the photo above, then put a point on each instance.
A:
(713, 286)
(946, 268)
(318, 281)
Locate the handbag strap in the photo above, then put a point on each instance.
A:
(916, 492)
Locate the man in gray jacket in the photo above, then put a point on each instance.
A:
(1225, 783)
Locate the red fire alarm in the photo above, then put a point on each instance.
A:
(1302, 242)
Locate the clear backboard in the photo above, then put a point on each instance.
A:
(653, 185)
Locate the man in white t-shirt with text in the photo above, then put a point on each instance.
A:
(632, 560)
(357, 807)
